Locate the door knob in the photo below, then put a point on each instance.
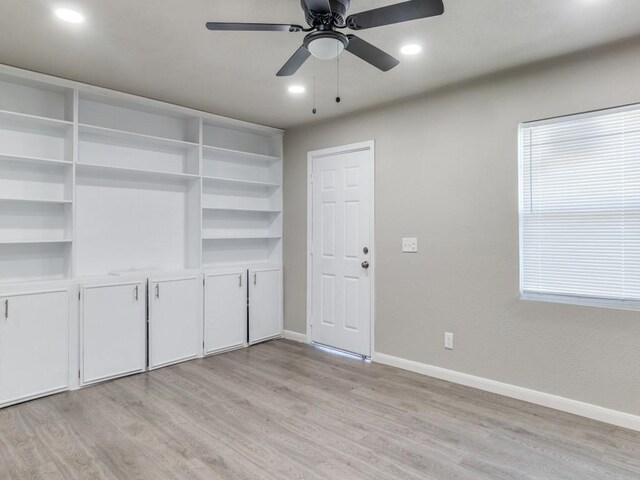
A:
(365, 265)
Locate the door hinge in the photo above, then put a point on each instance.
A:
(79, 294)
(78, 374)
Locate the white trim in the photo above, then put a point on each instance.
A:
(588, 114)
(575, 407)
(355, 147)
(580, 301)
(295, 336)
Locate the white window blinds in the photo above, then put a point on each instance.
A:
(580, 206)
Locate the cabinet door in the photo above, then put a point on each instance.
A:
(34, 345)
(113, 331)
(265, 305)
(225, 318)
(174, 319)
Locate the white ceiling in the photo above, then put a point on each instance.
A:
(161, 49)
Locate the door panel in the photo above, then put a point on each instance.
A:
(225, 311)
(113, 331)
(34, 345)
(341, 223)
(265, 299)
(174, 314)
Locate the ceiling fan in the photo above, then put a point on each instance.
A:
(325, 42)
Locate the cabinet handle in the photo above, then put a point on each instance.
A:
(157, 290)
(240, 279)
(255, 278)
(6, 309)
(137, 291)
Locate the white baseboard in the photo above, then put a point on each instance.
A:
(295, 336)
(594, 412)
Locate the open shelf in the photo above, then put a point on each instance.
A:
(237, 154)
(35, 261)
(138, 118)
(134, 173)
(112, 136)
(25, 135)
(222, 138)
(35, 200)
(33, 160)
(35, 222)
(242, 237)
(98, 146)
(249, 183)
(232, 209)
(227, 224)
(33, 123)
(129, 223)
(31, 242)
(222, 252)
(37, 99)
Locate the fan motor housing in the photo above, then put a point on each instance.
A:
(339, 10)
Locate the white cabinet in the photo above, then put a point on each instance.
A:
(113, 331)
(225, 314)
(34, 345)
(174, 320)
(265, 300)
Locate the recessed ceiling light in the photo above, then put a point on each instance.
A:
(297, 89)
(68, 15)
(411, 49)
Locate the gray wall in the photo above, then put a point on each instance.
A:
(446, 172)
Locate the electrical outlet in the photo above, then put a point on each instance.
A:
(448, 341)
(409, 245)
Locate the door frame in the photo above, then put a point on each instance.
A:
(328, 152)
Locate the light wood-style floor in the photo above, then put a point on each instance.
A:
(290, 411)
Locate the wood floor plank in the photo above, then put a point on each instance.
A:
(284, 410)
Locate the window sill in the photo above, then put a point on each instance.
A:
(581, 301)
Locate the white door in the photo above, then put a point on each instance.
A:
(113, 331)
(225, 311)
(174, 320)
(34, 345)
(341, 247)
(265, 299)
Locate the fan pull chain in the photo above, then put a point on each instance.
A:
(315, 110)
(338, 75)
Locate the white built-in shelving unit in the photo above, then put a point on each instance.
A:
(36, 180)
(133, 234)
(241, 196)
(93, 182)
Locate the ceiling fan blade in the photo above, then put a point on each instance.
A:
(371, 54)
(318, 6)
(253, 27)
(295, 62)
(400, 12)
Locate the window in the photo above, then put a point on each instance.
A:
(580, 208)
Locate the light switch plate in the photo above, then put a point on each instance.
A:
(409, 245)
(448, 341)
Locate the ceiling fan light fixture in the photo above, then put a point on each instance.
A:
(326, 45)
(326, 48)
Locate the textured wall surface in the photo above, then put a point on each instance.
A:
(446, 172)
